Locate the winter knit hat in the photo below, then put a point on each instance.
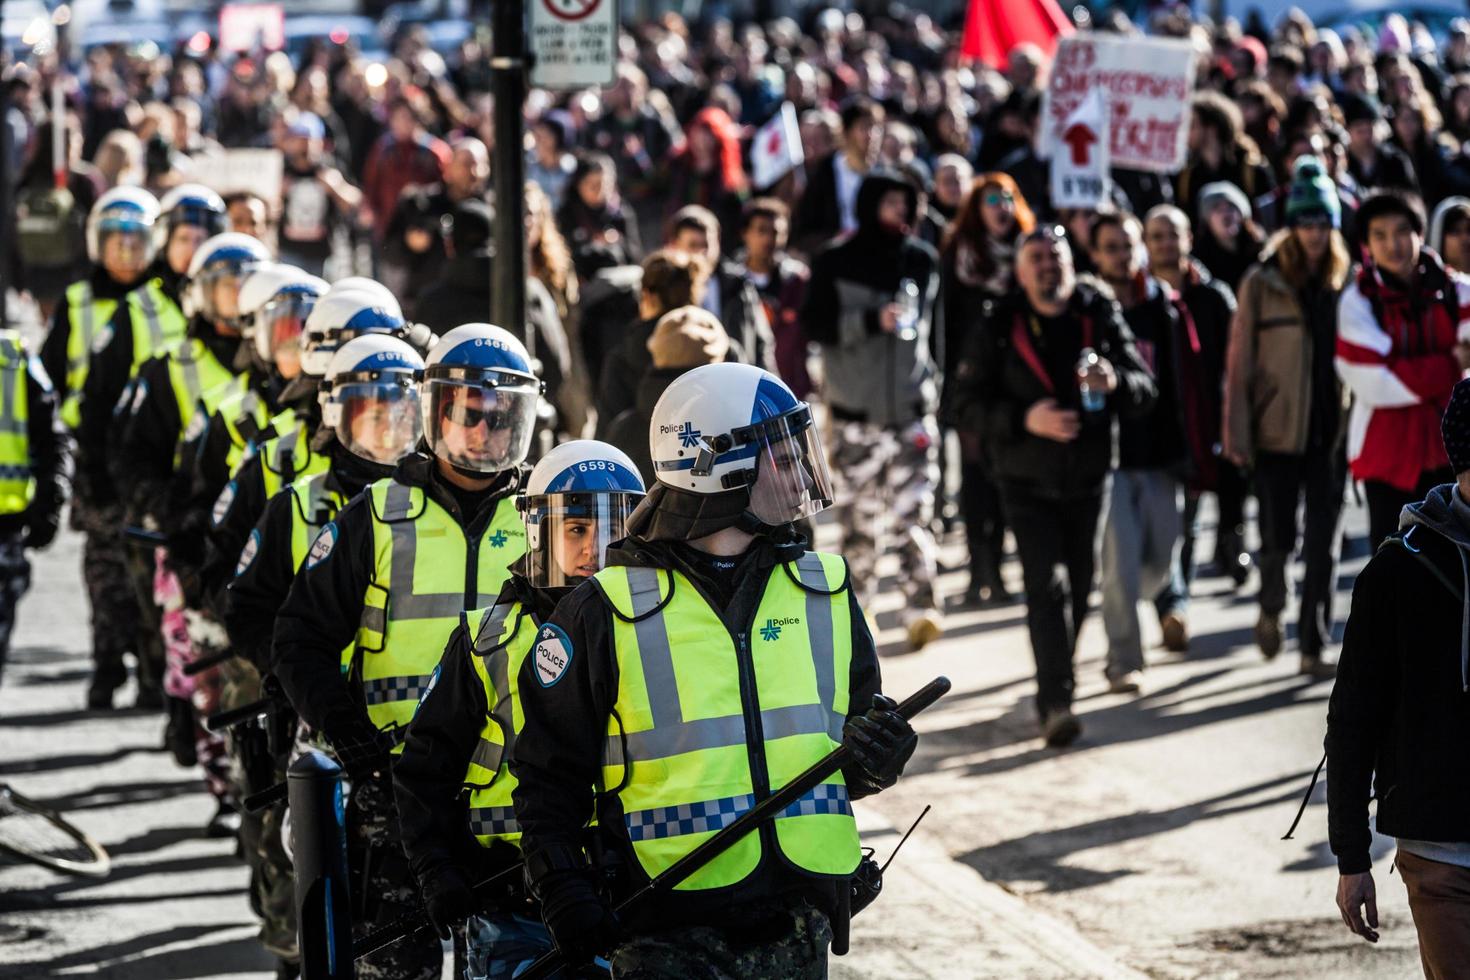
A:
(1312, 192)
(1454, 428)
(1216, 191)
(688, 338)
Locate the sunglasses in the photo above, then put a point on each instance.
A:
(469, 416)
(998, 198)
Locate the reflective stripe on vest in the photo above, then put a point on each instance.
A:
(500, 636)
(196, 376)
(678, 750)
(246, 416)
(417, 594)
(17, 481)
(158, 324)
(287, 458)
(313, 505)
(84, 314)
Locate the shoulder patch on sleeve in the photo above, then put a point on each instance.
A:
(140, 395)
(248, 553)
(103, 338)
(322, 547)
(429, 687)
(553, 654)
(224, 502)
(39, 373)
(197, 425)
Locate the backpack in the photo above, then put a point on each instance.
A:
(49, 227)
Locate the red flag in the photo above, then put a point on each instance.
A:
(993, 27)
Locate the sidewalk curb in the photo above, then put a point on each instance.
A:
(924, 866)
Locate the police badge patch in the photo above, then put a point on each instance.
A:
(223, 503)
(322, 546)
(553, 654)
(247, 553)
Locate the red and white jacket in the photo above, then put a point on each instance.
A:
(1395, 351)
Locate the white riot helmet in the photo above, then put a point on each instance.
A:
(726, 434)
(215, 275)
(275, 301)
(342, 313)
(371, 398)
(189, 204)
(479, 398)
(576, 502)
(129, 211)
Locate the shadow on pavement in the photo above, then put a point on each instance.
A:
(1041, 856)
(124, 794)
(75, 761)
(49, 898)
(199, 961)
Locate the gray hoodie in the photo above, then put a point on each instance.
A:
(1446, 514)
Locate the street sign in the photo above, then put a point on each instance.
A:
(574, 43)
(1079, 167)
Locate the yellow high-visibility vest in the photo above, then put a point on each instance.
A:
(17, 480)
(500, 638)
(424, 578)
(681, 740)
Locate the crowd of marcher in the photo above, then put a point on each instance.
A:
(1287, 313)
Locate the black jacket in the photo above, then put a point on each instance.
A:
(324, 607)
(744, 316)
(1399, 720)
(629, 430)
(103, 394)
(151, 430)
(58, 334)
(558, 755)
(428, 778)
(818, 216)
(995, 388)
(255, 594)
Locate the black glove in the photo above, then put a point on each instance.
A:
(448, 900)
(41, 531)
(364, 752)
(881, 742)
(576, 916)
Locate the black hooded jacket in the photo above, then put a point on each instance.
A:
(558, 755)
(874, 375)
(996, 384)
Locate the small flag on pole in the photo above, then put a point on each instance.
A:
(776, 149)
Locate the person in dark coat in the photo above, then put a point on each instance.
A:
(729, 295)
(683, 339)
(1397, 725)
(593, 220)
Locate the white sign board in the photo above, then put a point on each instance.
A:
(1148, 82)
(246, 27)
(1079, 167)
(257, 171)
(574, 43)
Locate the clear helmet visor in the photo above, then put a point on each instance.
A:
(278, 330)
(568, 534)
(791, 476)
(375, 420)
(218, 290)
(477, 427)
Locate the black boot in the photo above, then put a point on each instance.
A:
(178, 734)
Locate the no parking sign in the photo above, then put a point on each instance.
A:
(574, 43)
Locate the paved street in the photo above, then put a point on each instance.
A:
(1151, 848)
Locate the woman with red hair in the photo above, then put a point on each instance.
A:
(977, 260)
(707, 170)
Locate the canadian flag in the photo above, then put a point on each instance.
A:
(776, 149)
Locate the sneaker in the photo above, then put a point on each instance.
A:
(224, 823)
(1060, 728)
(924, 630)
(1268, 635)
(1317, 668)
(1176, 633)
(1127, 683)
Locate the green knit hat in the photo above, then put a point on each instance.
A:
(1311, 192)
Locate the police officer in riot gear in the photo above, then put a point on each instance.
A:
(710, 662)
(453, 783)
(387, 581)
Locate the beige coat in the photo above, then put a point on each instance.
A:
(1268, 382)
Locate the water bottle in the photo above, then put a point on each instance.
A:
(1093, 396)
(908, 310)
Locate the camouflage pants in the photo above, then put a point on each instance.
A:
(15, 579)
(888, 473)
(798, 952)
(148, 635)
(110, 591)
(383, 889)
